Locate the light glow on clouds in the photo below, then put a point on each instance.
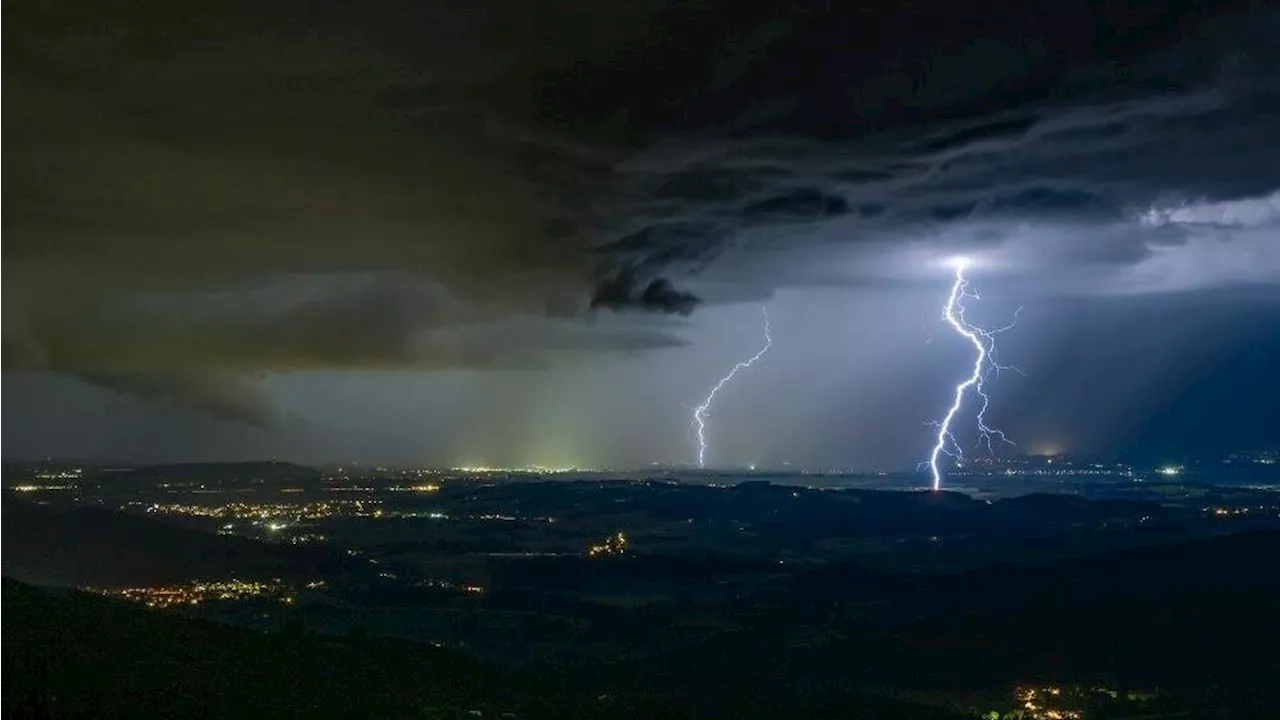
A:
(1208, 244)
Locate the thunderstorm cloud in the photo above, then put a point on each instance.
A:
(195, 198)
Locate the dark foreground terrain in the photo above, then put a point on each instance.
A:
(71, 655)
(1196, 623)
(492, 597)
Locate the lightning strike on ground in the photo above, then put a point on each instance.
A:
(984, 363)
(700, 413)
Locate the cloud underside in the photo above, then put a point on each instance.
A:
(193, 200)
(203, 350)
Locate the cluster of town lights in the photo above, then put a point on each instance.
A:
(199, 591)
(612, 545)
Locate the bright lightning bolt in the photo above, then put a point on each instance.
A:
(984, 363)
(700, 413)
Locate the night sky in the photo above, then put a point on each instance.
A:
(506, 232)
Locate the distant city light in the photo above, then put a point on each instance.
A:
(75, 474)
(271, 512)
(198, 591)
(529, 470)
(613, 545)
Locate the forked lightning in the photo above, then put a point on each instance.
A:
(984, 363)
(700, 413)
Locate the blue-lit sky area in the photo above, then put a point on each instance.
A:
(228, 239)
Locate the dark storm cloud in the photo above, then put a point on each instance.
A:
(198, 350)
(622, 292)
(1042, 148)
(526, 159)
(226, 397)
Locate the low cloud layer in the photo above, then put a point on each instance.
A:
(200, 350)
(189, 196)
